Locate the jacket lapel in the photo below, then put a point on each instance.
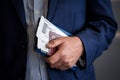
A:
(18, 4)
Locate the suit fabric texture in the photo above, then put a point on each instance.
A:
(91, 20)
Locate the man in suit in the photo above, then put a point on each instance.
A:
(90, 21)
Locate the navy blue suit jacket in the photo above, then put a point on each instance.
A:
(91, 20)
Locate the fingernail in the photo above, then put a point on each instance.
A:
(47, 46)
(50, 43)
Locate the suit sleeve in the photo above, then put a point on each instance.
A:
(99, 29)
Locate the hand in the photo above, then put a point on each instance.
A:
(69, 51)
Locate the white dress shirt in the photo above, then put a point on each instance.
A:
(36, 66)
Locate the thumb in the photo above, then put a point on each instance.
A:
(55, 42)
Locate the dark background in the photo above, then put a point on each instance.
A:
(107, 66)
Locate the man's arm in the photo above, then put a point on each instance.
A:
(99, 30)
(96, 37)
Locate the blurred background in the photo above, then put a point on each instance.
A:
(107, 66)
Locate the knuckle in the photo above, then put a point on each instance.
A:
(69, 65)
(66, 61)
(51, 66)
(50, 62)
(63, 55)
